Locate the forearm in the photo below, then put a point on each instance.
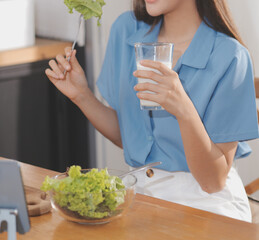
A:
(207, 162)
(103, 118)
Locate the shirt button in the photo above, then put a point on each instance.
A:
(150, 138)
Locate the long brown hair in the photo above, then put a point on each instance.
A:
(214, 13)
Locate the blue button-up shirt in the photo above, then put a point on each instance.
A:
(216, 73)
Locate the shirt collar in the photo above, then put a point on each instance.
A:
(198, 52)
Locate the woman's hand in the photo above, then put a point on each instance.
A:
(73, 83)
(168, 91)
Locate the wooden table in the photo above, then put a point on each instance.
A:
(149, 218)
(42, 50)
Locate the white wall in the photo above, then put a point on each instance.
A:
(108, 155)
(54, 21)
(246, 17)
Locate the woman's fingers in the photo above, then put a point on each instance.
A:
(63, 62)
(154, 92)
(74, 61)
(68, 51)
(155, 88)
(61, 68)
(71, 55)
(56, 69)
(149, 96)
(51, 74)
(61, 65)
(148, 74)
(165, 70)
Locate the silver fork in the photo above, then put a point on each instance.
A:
(140, 168)
(74, 43)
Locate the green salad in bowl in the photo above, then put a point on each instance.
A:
(90, 195)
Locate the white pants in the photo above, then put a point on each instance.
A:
(182, 188)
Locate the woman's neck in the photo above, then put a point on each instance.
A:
(180, 25)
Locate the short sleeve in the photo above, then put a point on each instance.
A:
(231, 113)
(106, 78)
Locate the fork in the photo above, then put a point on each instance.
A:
(74, 43)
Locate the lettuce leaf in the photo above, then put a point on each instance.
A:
(88, 8)
(94, 194)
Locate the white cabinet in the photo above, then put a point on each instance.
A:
(16, 24)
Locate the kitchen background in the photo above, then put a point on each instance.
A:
(50, 19)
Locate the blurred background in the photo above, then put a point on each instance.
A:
(39, 125)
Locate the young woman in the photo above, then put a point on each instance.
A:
(208, 97)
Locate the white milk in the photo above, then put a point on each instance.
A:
(145, 104)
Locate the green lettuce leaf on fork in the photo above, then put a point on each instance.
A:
(88, 8)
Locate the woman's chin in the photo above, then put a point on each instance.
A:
(154, 12)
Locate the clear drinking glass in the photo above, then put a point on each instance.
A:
(157, 51)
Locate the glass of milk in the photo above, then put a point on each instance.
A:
(157, 51)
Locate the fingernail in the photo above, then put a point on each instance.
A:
(68, 54)
(67, 67)
(61, 76)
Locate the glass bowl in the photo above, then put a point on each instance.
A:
(102, 214)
